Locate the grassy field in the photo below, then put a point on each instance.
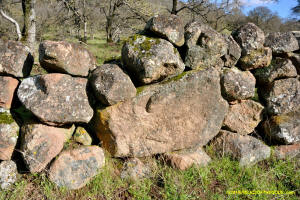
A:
(215, 181)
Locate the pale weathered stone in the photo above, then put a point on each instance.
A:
(287, 151)
(256, 59)
(282, 42)
(8, 174)
(82, 136)
(8, 86)
(156, 121)
(74, 168)
(233, 52)
(134, 169)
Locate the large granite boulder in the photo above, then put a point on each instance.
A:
(233, 53)
(111, 85)
(283, 129)
(246, 149)
(282, 42)
(56, 99)
(237, 85)
(205, 46)
(8, 86)
(41, 143)
(151, 59)
(250, 37)
(256, 59)
(243, 117)
(65, 57)
(8, 174)
(283, 96)
(155, 121)
(15, 59)
(73, 169)
(9, 133)
(280, 68)
(169, 27)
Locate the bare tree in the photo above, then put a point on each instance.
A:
(29, 28)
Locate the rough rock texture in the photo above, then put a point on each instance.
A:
(170, 27)
(249, 37)
(82, 136)
(233, 53)
(205, 46)
(280, 68)
(56, 99)
(74, 168)
(297, 36)
(246, 149)
(185, 159)
(237, 85)
(285, 128)
(295, 58)
(282, 42)
(151, 59)
(283, 96)
(8, 174)
(161, 115)
(9, 132)
(111, 85)
(287, 151)
(15, 59)
(41, 143)
(8, 86)
(135, 169)
(65, 57)
(256, 59)
(243, 117)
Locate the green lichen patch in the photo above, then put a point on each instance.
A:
(143, 46)
(6, 118)
(139, 90)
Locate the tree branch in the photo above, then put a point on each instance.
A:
(14, 22)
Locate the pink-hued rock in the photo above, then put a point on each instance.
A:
(287, 151)
(66, 57)
(74, 168)
(41, 143)
(8, 86)
(56, 99)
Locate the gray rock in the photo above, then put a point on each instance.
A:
(249, 37)
(134, 169)
(295, 58)
(82, 136)
(282, 42)
(65, 57)
(111, 85)
(74, 168)
(8, 86)
(15, 59)
(157, 119)
(56, 99)
(233, 53)
(170, 27)
(246, 149)
(284, 128)
(151, 59)
(256, 59)
(8, 174)
(237, 85)
(297, 36)
(280, 68)
(287, 151)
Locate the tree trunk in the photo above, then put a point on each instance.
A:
(29, 29)
(174, 7)
(14, 22)
(108, 28)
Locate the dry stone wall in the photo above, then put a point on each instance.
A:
(223, 90)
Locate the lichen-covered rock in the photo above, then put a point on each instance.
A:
(65, 57)
(151, 59)
(74, 168)
(189, 106)
(246, 149)
(233, 53)
(237, 85)
(243, 117)
(282, 42)
(280, 68)
(284, 128)
(295, 58)
(297, 36)
(134, 169)
(256, 59)
(185, 159)
(9, 133)
(205, 46)
(249, 37)
(111, 85)
(283, 96)
(15, 59)
(8, 86)
(82, 136)
(56, 99)
(287, 151)
(8, 174)
(170, 27)
(41, 143)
